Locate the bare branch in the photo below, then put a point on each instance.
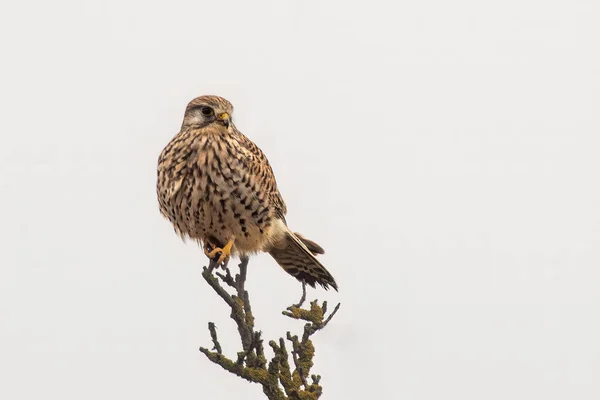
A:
(214, 283)
(296, 350)
(240, 279)
(213, 334)
(227, 278)
(278, 380)
(335, 310)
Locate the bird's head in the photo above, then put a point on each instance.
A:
(207, 111)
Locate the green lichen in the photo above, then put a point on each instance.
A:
(314, 315)
(285, 376)
(239, 302)
(249, 318)
(257, 375)
(279, 379)
(305, 395)
(307, 352)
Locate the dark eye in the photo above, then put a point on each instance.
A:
(206, 111)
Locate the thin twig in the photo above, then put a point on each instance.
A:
(296, 349)
(214, 283)
(227, 278)
(213, 334)
(240, 279)
(303, 298)
(335, 310)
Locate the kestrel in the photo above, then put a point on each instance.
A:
(217, 187)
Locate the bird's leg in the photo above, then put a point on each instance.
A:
(225, 252)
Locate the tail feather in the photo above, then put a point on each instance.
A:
(310, 245)
(296, 255)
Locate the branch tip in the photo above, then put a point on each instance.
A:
(279, 379)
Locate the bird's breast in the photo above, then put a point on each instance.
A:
(212, 191)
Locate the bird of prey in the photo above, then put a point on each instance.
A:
(217, 187)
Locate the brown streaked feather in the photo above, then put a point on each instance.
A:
(297, 260)
(216, 186)
(265, 172)
(312, 246)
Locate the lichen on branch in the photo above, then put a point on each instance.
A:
(280, 378)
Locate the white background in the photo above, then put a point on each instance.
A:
(445, 154)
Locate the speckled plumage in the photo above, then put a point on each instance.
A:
(216, 186)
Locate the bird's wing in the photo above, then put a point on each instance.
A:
(264, 174)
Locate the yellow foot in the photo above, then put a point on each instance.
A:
(225, 252)
(208, 247)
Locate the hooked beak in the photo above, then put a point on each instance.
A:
(224, 118)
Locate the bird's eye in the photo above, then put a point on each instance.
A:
(206, 111)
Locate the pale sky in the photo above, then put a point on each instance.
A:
(445, 154)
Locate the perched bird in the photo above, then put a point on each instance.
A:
(217, 187)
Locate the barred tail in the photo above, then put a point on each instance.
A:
(296, 255)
